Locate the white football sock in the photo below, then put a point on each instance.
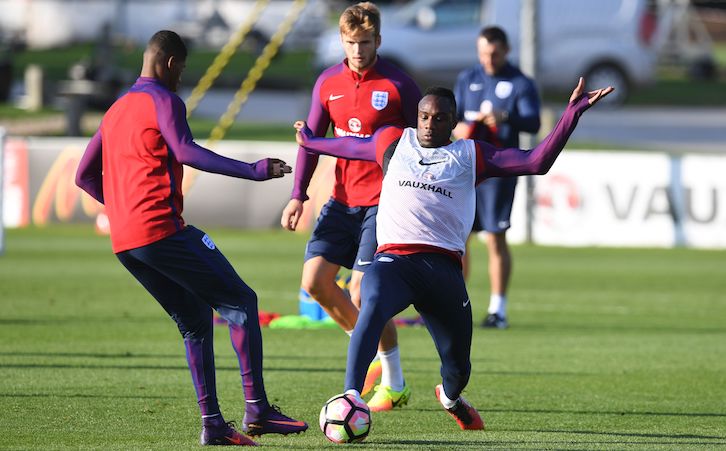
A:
(391, 371)
(498, 305)
(354, 392)
(445, 401)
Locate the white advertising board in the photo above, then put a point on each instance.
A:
(589, 198)
(627, 199)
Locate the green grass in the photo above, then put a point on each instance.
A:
(292, 68)
(201, 129)
(608, 349)
(669, 89)
(11, 112)
(719, 53)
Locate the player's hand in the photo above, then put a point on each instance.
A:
(488, 119)
(592, 96)
(291, 214)
(277, 168)
(303, 132)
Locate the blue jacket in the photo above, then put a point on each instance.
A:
(509, 90)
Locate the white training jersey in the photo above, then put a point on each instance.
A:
(428, 195)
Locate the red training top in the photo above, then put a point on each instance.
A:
(356, 105)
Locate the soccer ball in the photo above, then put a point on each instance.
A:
(345, 419)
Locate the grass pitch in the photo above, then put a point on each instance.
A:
(608, 349)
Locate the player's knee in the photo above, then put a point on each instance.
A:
(236, 315)
(319, 288)
(194, 330)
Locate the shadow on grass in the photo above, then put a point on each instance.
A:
(64, 320)
(86, 366)
(336, 363)
(94, 355)
(513, 445)
(82, 395)
(638, 328)
(659, 440)
(605, 412)
(619, 413)
(592, 412)
(634, 434)
(595, 412)
(442, 444)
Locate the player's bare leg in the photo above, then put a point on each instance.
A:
(318, 279)
(500, 269)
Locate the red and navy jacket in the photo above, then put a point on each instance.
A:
(356, 105)
(133, 164)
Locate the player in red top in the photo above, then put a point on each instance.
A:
(133, 165)
(355, 98)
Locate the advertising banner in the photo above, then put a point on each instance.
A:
(589, 198)
(644, 199)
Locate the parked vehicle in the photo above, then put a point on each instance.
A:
(205, 23)
(608, 42)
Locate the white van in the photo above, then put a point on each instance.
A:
(607, 41)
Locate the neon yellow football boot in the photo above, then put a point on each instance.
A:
(385, 398)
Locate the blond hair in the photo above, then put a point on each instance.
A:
(363, 16)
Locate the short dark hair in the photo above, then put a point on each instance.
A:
(169, 43)
(440, 91)
(494, 34)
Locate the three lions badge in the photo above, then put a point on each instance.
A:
(379, 99)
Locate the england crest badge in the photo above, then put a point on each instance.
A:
(379, 99)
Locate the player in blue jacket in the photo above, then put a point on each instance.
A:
(495, 102)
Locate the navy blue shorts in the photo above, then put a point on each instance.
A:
(494, 199)
(188, 275)
(434, 285)
(345, 236)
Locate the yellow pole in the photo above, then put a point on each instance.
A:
(223, 57)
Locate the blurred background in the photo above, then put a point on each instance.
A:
(62, 63)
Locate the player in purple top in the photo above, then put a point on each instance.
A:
(133, 165)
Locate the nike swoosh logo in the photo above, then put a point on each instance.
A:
(288, 423)
(332, 97)
(467, 302)
(429, 163)
(362, 263)
(234, 440)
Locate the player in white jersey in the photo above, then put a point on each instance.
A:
(425, 215)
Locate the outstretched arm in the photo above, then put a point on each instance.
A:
(175, 130)
(496, 162)
(348, 147)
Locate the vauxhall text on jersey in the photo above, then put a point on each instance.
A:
(439, 199)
